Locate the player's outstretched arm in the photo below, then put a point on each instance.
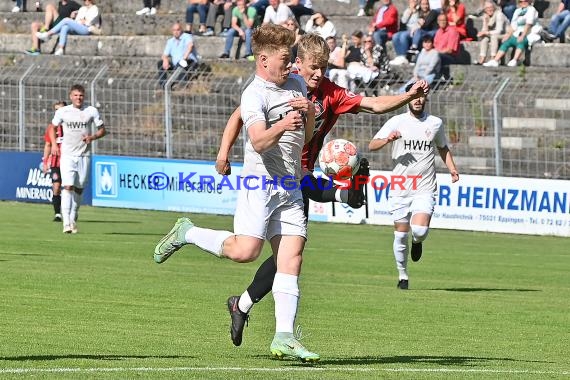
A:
(387, 103)
(447, 157)
(231, 133)
(377, 144)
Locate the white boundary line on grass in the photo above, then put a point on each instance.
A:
(288, 369)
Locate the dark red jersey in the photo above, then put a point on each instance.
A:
(330, 101)
(54, 160)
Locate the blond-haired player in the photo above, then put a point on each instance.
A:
(279, 119)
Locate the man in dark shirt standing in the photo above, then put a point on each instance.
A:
(52, 17)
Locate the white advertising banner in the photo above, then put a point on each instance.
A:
(485, 203)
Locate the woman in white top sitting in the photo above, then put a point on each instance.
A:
(320, 25)
(86, 22)
(521, 27)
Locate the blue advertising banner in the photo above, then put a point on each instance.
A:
(25, 181)
(159, 184)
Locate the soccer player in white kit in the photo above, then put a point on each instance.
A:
(77, 120)
(414, 135)
(279, 119)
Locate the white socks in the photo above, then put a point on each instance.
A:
(341, 196)
(209, 240)
(75, 202)
(401, 253)
(286, 295)
(66, 205)
(245, 303)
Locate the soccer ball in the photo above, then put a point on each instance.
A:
(339, 159)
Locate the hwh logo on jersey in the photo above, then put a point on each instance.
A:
(76, 125)
(417, 145)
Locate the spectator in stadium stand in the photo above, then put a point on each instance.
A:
(336, 70)
(179, 51)
(150, 7)
(216, 8)
(51, 162)
(244, 20)
(277, 13)
(428, 25)
(86, 22)
(53, 15)
(372, 62)
(507, 6)
(455, 12)
(402, 39)
(291, 24)
(559, 22)
(197, 6)
(259, 6)
(384, 23)
(494, 25)
(517, 36)
(427, 66)
(300, 8)
(320, 25)
(446, 41)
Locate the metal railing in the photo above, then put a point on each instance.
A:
(512, 123)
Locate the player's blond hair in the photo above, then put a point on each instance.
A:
(269, 38)
(313, 45)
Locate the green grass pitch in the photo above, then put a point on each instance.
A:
(95, 305)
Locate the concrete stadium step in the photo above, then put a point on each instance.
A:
(552, 104)
(329, 7)
(469, 162)
(516, 143)
(130, 24)
(540, 124)
(133, 46)
(549, 55)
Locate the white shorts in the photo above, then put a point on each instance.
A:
(74, 170)
(265, 213)
(403, 208)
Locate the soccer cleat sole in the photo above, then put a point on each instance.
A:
(280, 356)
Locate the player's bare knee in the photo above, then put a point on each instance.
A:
(419, 233)
(245, 253)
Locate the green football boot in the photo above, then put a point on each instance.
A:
(285, 344)
(172, 241)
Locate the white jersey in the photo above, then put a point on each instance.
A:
(267, 102)
(76, 124)
(414, 153)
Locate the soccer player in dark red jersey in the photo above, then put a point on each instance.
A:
(330, 101)
(51, 162)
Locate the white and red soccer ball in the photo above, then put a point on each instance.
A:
(339, 159)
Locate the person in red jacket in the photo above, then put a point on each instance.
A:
(455, 12)
(384, 24)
